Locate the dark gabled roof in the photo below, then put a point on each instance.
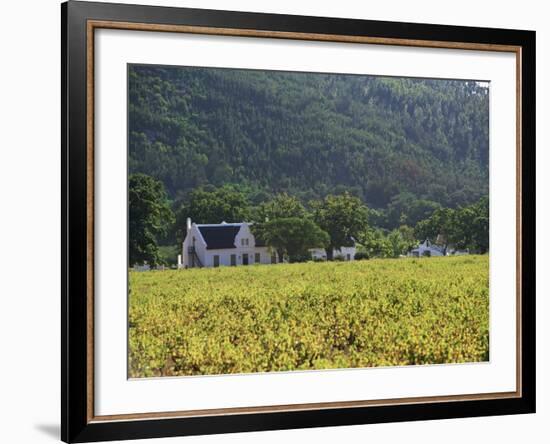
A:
(219, 236)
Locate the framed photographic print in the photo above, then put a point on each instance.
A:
(276, 221)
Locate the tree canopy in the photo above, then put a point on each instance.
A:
(149, 218)
(211, 206)
(280, 206)
(292, 236)
(464, 227)
(343, 217)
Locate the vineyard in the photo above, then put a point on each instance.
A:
(307, 316)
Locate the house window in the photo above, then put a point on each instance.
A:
(233, 259)
(244, 242)
(216, 260)
(348, 256)
(245, 259)
(256, 258)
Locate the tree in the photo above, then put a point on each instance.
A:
(212, 206)
(402, 240)
(273, 224)
(375, 244)
(480, 225)
(281, 206)
(406, 208)
(343, 217)
(407, 234)
(439, 224)
(470, 226)
(149, 217)
(292, 236)
(464, 227)
(378, 243)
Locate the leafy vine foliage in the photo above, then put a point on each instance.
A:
(309, 316)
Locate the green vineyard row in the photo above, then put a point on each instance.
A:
(284, 317)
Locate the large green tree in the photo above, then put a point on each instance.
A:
(212, 206)
(480, 225)
(374, 243)
(402, 240)
(280, 206)
(292, 236)
(463, 227)
(149, 218)
(438, 225)
(343, 217)
(470, 226)
(407, 209)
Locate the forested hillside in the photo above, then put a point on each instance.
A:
(385, 140)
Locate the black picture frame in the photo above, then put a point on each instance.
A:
(76, 423)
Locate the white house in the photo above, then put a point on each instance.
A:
(214, 245)
(345, 253)
(426, 248)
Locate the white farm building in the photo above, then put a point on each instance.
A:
(214, 245)
(344, 253)
(427, 248)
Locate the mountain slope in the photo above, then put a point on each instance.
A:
(309, 134)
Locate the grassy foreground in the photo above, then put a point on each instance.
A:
(309, 316)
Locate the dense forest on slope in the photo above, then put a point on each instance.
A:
(383, 139)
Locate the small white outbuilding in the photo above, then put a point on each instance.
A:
(344, 253)
(427, 248)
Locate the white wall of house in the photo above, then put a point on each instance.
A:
(224, 256)
(246, 245)
(347, 253)
(318, 253)
(193, 238)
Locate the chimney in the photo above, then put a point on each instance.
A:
(188, 224)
